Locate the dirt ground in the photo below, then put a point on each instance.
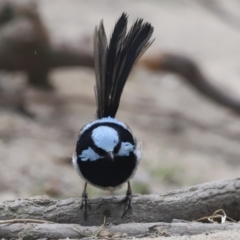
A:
(162, 110)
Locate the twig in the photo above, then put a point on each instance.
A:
(24, 221)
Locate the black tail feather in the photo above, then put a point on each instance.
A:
(113, 63)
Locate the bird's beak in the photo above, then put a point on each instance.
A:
(110, 155)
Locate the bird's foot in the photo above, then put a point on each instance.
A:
(128, 201)
(85, 205)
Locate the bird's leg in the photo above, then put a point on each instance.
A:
(85, 202)
(128, 199)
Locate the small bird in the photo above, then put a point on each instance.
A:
(107, 154)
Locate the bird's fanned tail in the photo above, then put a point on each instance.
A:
(114, 62)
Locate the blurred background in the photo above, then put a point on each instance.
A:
(182, 100)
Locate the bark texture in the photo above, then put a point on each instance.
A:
(75, 231)
(187, 204)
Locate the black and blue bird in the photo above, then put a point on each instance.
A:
(107, 153)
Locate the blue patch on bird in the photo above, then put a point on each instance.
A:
(105, 138)
(125, 149)
(104, 120)
(89, 154)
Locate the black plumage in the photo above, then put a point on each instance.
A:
(114, 62)
(106, 173)
(107, 154)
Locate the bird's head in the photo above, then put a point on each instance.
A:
(106, 142)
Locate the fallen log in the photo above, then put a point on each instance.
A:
(187, 204)
(73, 231)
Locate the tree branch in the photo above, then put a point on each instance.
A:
(187, 204)
(186, 67)
(62, 231)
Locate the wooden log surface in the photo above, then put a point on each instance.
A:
(187, 204)
(73, 231)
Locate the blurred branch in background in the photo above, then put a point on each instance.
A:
(25, 46)
(186, 67)
(218, 9)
